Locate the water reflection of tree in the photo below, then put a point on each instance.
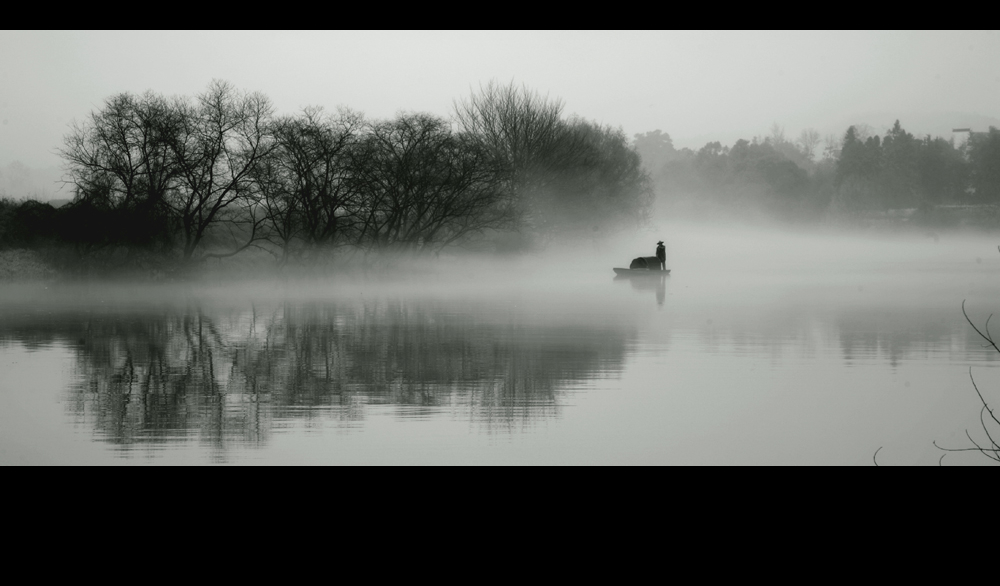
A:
(233, 376)
(161, 378)
(421, 360)
(899, 334)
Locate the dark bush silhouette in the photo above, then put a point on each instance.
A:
(26, 224)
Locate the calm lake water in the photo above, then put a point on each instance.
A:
(759, 348)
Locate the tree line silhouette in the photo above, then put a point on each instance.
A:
(858, 174)
(173, 181)
(160, 179)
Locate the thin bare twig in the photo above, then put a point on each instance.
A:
(984, 452)
(985, 406)
(992, 452)
(978, 331)
(982, 421)
(954, 449)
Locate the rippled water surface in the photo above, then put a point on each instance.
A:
(793, 349)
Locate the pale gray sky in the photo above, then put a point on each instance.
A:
(697, 86)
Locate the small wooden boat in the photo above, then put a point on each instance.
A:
(641, 272)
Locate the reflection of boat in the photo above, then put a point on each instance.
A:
(641, 272)
(645, 280)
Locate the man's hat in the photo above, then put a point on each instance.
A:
(660, 242)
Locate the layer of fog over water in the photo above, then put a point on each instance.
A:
(761, 347)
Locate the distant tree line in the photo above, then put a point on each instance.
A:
(859, 173)
(182, 179)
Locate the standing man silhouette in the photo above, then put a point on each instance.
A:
(661, 254)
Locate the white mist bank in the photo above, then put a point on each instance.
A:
(715, 254)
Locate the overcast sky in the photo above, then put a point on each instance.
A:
(696, 86)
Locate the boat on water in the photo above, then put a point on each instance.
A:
(644, 266)
(641, 272)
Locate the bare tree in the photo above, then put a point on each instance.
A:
(557, 171)
(517, 126)
(424, 187)
(220, 140)
(279, 205)
(777, 134)
(152, 166)
(307, 187)
(832, 145)
(808, 141)
(120, 164)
